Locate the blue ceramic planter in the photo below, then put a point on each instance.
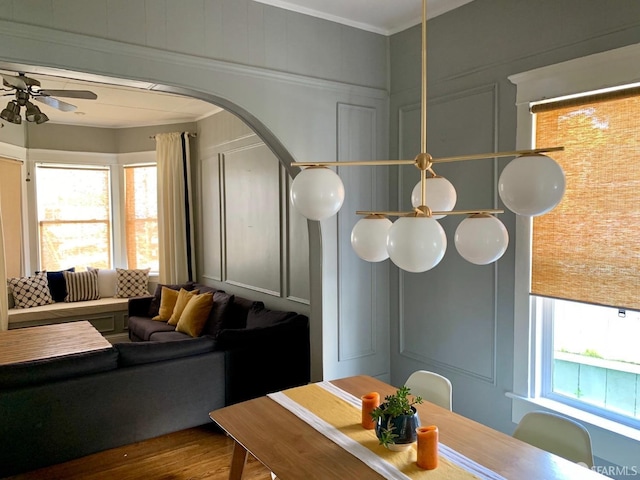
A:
(404, 427)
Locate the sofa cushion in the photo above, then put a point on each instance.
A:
(183, 298)
(220, 313)
(81, 286)
(168, 336)
(144, 327)
(155, 303)
(30, 291)
(168, 301)
(195, 315)
(246, 338)
(132, 283)
(57, 368)
(237, 317)
(260, 316)
(139, 353)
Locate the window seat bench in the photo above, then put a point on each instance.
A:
(107, 315)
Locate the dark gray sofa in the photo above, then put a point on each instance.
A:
(58, 409)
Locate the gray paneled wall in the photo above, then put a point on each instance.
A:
(250, 241)
(457, 319)
(363, 312)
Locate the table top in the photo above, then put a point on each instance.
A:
(292, 449)
(35, 343)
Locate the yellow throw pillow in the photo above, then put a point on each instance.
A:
(195, 315)
(168, 299)
(181, 302)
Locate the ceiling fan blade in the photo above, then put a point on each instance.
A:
(55, 103)
(13, 81)
(85, 94)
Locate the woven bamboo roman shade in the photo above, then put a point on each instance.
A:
(588, 248)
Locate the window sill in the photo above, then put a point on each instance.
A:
(612, 441)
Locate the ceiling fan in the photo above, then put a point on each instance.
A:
(27, 89)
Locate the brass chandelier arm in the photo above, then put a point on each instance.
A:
(480, 156)
(413, 213)
(458, 158)
(355, 163)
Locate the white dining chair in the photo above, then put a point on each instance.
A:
(556, 434)
(432, 387)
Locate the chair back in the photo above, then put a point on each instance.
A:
(432, 387)
(556, 434)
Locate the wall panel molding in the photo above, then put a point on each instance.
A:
(424, 309)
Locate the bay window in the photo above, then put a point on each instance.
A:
(103, 216)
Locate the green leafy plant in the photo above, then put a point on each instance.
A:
(401, 403)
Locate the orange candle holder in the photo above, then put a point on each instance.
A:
(427, 447)
(370, 402)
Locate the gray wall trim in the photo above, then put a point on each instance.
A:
(30, 33)
(346, 147)
(404, 351)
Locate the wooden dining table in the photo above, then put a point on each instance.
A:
(293, 450)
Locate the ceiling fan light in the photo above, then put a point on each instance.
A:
(317, 193)
(481, 239)
(416, 244)
(34, 114)
(369, 238)
(441, 195)
(531, 185)
(11, 113)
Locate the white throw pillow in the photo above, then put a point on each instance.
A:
(107, 280)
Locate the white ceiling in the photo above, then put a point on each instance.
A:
(121, 107)
(380, 16)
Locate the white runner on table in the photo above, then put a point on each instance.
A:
(376, 463)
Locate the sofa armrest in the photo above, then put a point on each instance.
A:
(265, 359)
(139, 306)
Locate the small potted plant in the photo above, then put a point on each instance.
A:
(396, 420)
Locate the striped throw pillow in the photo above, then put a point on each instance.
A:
(81, 286)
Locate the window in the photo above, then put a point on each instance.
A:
(582, 251)
(82, 221)
(535, 339)
(74, 217)
(141, 216)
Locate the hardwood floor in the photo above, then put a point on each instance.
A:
(193, 454)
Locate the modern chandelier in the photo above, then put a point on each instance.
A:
(530, 185)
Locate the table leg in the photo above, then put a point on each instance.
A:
(238, 460)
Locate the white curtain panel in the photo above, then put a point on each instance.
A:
(4, 300)
(175, 212)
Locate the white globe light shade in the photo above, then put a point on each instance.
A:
(531, 185)
(481, 239)
(317, 193)
(416, 244)
(369, 238)
(441, 195)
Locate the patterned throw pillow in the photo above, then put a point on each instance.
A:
(132, 283)
(30, 291)
(81, 286)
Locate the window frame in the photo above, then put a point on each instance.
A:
(115, 163)
(617, 442)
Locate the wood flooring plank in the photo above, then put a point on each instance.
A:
(193, 454)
